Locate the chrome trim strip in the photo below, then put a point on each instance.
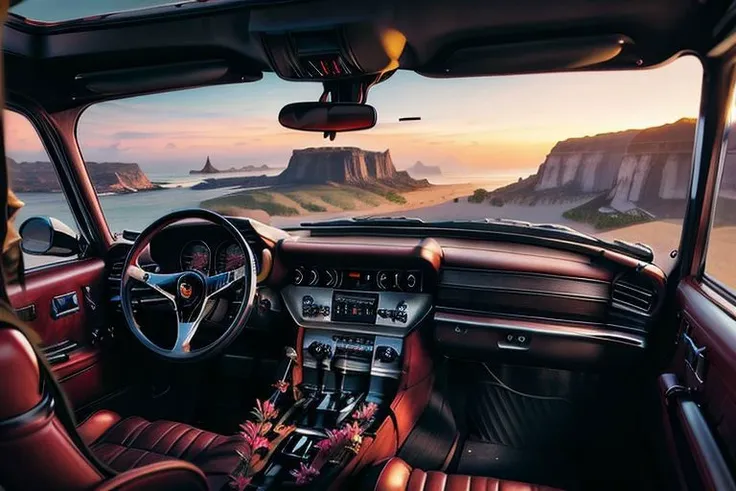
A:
(520, 291)
(598, 335)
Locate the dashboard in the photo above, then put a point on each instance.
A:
(353, 292)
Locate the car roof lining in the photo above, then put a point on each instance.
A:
(47, 61)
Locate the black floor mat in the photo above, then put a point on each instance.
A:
(518, 436)
(500, 416)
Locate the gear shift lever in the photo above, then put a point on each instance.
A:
(339, 373)
(320, 352)
(291, 355)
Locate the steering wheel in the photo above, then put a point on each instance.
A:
(188, 291)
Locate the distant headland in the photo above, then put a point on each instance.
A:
(107, 177)
(211, 169)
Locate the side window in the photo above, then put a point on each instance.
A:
(33, 179)
(719, 260)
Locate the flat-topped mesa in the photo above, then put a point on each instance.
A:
(107, 177)
(348, 165)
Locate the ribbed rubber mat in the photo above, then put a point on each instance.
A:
(498, 415)
(430, 442)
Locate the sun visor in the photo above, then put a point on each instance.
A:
(530, 57)
(161, 77)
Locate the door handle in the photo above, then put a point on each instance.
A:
(65, 304)
(695, 360)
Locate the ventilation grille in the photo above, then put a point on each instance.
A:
(634, 293)
(113, 280)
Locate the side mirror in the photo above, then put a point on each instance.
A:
(49, 237)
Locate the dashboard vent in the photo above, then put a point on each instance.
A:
(634, 293)
(113, 279)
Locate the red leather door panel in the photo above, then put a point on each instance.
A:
(707, 325)
(43, 285)
(82, 374)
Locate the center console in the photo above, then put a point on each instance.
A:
(354, 325)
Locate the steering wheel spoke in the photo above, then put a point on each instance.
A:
(222, 281)
(185, 333)
(165, 284)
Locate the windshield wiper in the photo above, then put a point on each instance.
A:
(369, 220)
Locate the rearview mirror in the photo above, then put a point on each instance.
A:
(328, 116)
(48, 236)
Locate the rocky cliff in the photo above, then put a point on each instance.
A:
(655, 168)
(588, 164)
(636, 169)
(343, 165)
(108, 177)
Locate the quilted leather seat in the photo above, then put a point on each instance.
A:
(397, 475)
(133, 442)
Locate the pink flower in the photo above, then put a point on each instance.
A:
(366, 412)
(335, 439)
(240, 482)
(304, 474)
(352, 431)
(249, 430)
(253, 441)
(281, 385)
(265, 411)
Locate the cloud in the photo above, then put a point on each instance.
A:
(170, 145)
(115, 147)
(133, 135)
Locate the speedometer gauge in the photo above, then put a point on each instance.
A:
(195, 255)
(229, 256)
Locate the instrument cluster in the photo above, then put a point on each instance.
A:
(197, 255)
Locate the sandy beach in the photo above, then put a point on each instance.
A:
(417, 202)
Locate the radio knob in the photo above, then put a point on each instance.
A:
(313, 277)
(383, 279)
(319, 351)
(386, 354)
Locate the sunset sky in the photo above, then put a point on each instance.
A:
(480, 124)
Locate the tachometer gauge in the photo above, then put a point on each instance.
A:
(195, 255)
(229, 256)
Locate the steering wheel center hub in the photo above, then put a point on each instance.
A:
(190, 288)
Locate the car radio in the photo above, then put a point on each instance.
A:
(354, 307)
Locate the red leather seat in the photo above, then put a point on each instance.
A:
(128, 443)
(397, 475)
(40, 449)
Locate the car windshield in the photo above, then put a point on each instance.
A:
(606, 153)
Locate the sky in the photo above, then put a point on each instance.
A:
(483, 124)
